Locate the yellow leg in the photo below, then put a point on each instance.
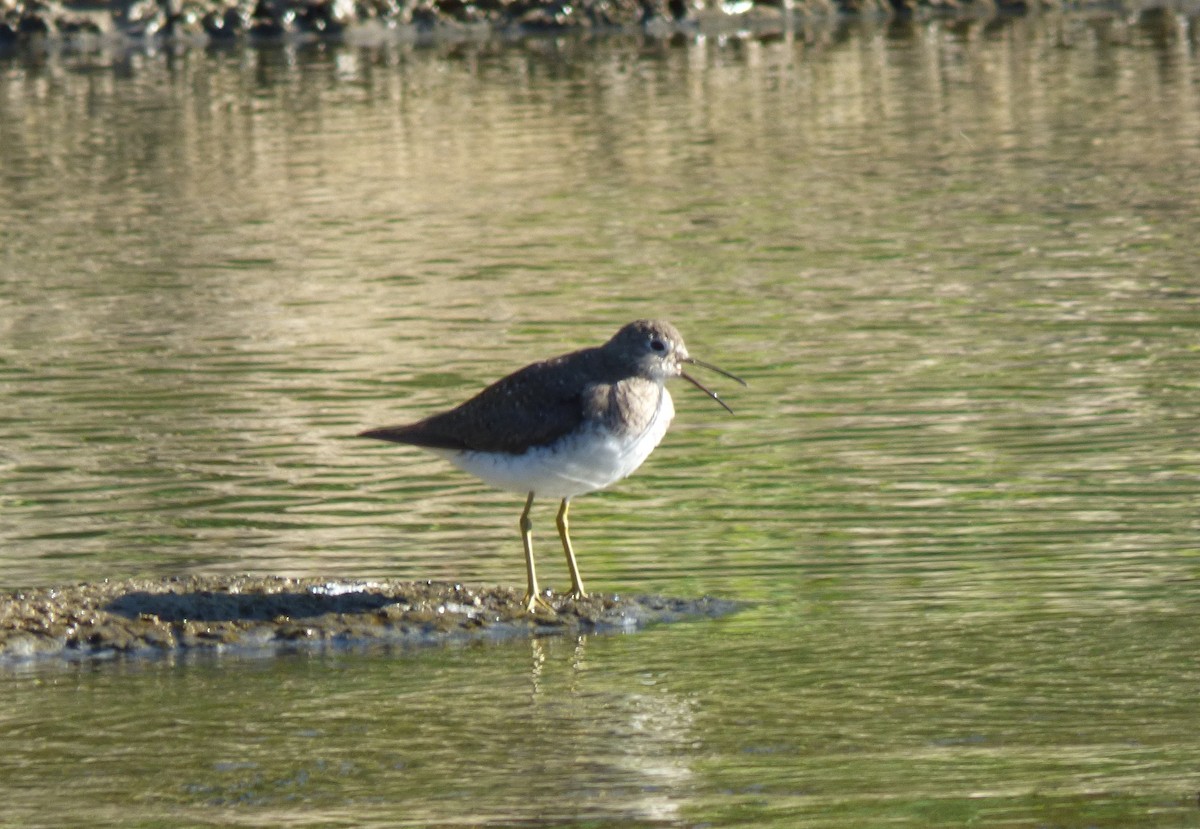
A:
(533, 598)
(577, 591)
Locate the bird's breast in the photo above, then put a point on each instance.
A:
(602, 451)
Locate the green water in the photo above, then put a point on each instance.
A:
(955, 262)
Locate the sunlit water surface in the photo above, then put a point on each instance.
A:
(957, 265)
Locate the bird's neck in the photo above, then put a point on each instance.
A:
(634, 404)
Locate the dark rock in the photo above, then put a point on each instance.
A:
(273, 19)
(225, 24)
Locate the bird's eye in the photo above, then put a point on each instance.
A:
(658, 345)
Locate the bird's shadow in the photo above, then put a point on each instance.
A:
(209, 606)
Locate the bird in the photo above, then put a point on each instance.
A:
(564, 427)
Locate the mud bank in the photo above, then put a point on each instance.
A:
(228, 20)
(244, 613)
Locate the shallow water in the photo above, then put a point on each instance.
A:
(955, 262)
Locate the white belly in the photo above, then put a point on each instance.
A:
(580, 463)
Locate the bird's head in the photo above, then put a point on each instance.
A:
(655, 349)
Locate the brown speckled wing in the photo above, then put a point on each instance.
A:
(534, 406)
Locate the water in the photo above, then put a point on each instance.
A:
(955, 262)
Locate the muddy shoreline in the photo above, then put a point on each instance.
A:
(247, 614)
(217, 21)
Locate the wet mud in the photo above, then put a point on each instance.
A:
(145, 617)
(219, 21)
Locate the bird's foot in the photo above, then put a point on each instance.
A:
(535, 602)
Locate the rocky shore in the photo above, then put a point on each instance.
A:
(227, 20)
(266, 614)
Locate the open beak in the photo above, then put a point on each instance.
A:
(693, 361)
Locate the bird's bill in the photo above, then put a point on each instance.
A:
(704, 388)
(693, 361)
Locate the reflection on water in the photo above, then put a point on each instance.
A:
(955, 262)
(822, 718)
(532, 733)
